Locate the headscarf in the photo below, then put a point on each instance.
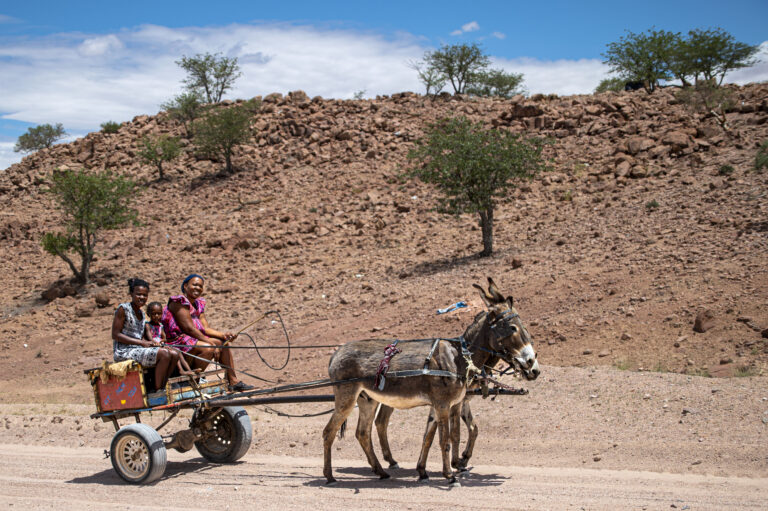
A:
(190, 277)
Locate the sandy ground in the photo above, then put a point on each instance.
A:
(584, 438)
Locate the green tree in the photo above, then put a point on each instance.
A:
(89, 204)
(39, 137)
(432, 78)
(210, 75)
(457, 63)
(495, 82)
(185, 107)
(158, 150)
(222, 129)
(712, 53)
(615, 84)
(642, 57)
(474, 167)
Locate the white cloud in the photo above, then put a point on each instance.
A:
(8, 19)
(466, 27)
(498, 35)
(82, 81)
(756, 73)
(562, 77)
(7, 156)
(96, 46)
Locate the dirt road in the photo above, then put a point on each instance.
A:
(595, 438)
(64, 478)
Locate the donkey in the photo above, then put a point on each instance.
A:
(495, 333)
(463, 411)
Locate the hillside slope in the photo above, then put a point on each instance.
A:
(316, 223)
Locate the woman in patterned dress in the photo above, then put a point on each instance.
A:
(128, 332)
(187, 328)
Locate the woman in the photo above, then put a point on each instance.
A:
(128, 332)
(187, 328)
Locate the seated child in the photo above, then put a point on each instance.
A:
(154, 332)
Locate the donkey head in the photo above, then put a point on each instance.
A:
(508, 335)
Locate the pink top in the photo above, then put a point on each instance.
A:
(173, 332)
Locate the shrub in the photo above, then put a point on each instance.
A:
(761, 158)
(725, 170)
(495, 82)
(651, 205)
(110, 127)
(185, 107)
(159, 150)
(615, 84)
(89, 204)
(707, 98)
(39, 137)
(222, 129)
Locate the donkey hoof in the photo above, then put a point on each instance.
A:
(423, 479)
(394, 466)
(383, 475)
(463, 470)
(454, 483)
(331, 483)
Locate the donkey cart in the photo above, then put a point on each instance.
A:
(440, 372)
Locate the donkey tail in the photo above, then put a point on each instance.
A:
(343, 429)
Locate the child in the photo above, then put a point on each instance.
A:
(154, 332)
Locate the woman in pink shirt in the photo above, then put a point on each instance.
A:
(186, 327)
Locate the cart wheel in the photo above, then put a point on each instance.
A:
(229, 436)
(138, 454)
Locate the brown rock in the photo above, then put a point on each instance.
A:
(639, 144)
(677, 139)
(102, 299)
(705, 320)
(84, 311)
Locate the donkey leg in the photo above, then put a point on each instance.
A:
(469, 420)
(344, 405)
(366, 412)
(429, 436)
(443, 414)
(455, 427)
(382, 423)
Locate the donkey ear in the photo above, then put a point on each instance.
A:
(511, 301)
(495, 294)
(487, 299)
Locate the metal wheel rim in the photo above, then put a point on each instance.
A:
(132, 456)
(222, 433)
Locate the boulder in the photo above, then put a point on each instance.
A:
(705, 320)
(639, 144)
(677, 139)
(102, 299)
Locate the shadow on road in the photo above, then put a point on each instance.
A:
(406, 478)
(172, 470)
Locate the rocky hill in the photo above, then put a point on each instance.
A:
(651, 216)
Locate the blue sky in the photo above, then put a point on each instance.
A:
(83, 63)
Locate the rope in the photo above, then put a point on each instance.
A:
(271, 410)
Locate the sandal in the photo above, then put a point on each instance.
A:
(240, 387)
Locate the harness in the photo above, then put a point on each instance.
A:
(472, 373)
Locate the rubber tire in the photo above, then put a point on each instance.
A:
(237, 426)
(144, 438)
